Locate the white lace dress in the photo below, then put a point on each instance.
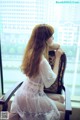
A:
(30, 102)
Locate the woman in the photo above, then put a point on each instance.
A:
(30, 102)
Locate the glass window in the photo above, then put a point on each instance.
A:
(18, 17)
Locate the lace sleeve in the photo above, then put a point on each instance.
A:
(48, 76)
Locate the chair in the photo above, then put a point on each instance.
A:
(57, 87)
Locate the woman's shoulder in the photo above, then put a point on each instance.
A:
(44, 61)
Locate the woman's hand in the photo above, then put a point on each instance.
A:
(58, 53)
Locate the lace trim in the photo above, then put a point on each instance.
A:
(43, 116)
(35, 84)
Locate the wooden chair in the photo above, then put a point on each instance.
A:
(56, 88)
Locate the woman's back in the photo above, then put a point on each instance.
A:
(31, 102)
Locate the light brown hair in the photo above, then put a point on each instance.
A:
(35, 47)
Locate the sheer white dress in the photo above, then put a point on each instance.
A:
(30, 102)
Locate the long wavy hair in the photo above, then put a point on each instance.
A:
(34, 50)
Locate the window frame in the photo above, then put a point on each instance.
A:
(1, 70)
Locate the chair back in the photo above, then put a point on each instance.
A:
(56, 87)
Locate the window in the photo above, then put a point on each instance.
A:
(18, 17)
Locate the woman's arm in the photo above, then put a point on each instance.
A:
(54, 46)
(58, 54)
(48, 75)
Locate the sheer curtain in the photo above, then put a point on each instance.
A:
(18, 17)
